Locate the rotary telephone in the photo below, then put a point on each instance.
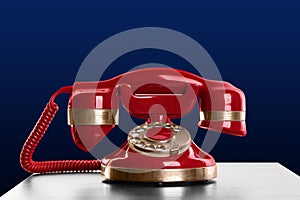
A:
(156, 151)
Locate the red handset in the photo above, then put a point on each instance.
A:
(157, 95)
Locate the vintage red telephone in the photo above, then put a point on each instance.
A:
(156, 151)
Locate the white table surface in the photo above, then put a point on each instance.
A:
(235, 181)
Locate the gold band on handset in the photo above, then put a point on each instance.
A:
(222, 115)
(83, 116)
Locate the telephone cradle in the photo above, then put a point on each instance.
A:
(157, 150)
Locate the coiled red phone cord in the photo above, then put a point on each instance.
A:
(37, 134)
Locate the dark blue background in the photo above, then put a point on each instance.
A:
(254, 44)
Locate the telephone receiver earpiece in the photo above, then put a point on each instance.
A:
(157, 95)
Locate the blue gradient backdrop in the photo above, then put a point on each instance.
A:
(254, 44)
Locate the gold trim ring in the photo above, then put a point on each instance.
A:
(83, 116)
(159, 175)
(223, 115)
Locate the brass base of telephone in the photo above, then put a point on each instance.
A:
(159, 175)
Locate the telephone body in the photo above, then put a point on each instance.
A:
(156, 151)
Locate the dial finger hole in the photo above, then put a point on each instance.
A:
(160, 148)
(177, 128)
(168, 125)
(147, 126)
(157, 125)
(140, 144)
(134, 134)
(135, 140)
(139, 129)
(150, 147)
